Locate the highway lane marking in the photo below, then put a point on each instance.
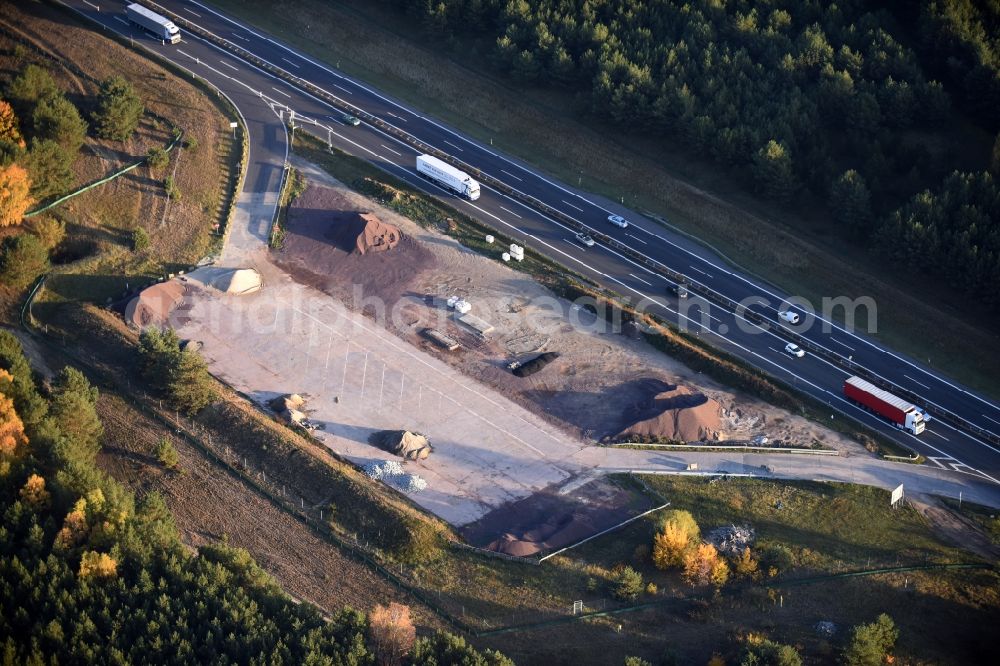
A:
(942, 437)
(282, 92)
(189, 11)
(774, 350)
(577, 246)
(989, 419)
(397, 116)
(93, 5)
(290, 63)
(121, 20)
(640, 279)
(458, 148)
(342, 88)
(571, 205)
(512, 212)
(390, 149)
(245, 39)
(916, 382)
(228, 65)
(699, 270)
(511, 175)
(637, 238)
(841, 343)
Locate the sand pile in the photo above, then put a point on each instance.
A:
(405, 444)
(679, 414)
(238, 281)
(152, 307)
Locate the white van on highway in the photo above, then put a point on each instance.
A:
(790, 317)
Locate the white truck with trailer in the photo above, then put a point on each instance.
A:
(447, 176)
(160, 26)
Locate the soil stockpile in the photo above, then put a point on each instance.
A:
(679, 414)
(152, 307)
(405, 444)
(551, 519)
(330, 245)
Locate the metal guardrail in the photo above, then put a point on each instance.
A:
(709, 295)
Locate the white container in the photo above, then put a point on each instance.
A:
(505, 256)
(451, 301)
(462, 306)
(489, 238)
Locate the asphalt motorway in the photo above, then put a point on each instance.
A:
(266, 101)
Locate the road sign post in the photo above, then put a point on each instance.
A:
(897, 496)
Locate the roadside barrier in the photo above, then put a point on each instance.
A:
(696, 448)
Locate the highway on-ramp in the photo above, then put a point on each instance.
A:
(266, 102)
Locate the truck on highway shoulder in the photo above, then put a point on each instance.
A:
(447, 176)
(160, 26)
(900, 413)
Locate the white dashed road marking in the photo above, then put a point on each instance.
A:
(916, 382)
(641, 280)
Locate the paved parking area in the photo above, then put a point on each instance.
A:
(360, 378)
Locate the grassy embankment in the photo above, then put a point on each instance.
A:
(793, 246)
(689, 349)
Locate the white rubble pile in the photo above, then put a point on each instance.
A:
(392, 473)
(732, 540)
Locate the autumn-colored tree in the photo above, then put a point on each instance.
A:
(74, 527)
(669, 546)
(15, 197)
(392, 633)
(679, 533)
(34, 493)
(12, 437)
(702, 565)
(9, 128)
(97, 565)
(746, 565)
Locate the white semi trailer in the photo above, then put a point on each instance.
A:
(162, 27)
(447, 176)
